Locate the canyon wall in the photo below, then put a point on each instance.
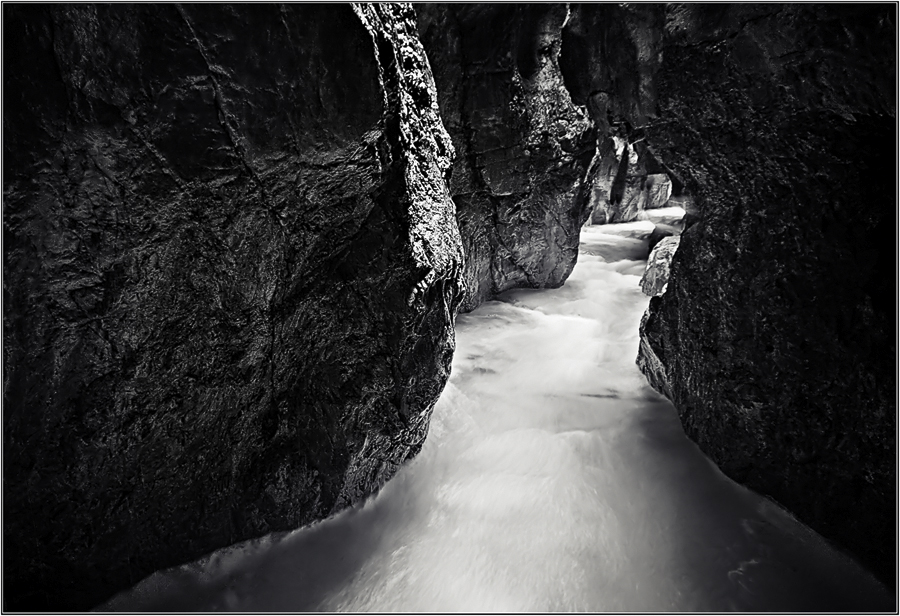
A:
(775, 337)
(232, 261)
(231, 268)
(523, 148)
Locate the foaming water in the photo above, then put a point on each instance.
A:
(553, 479)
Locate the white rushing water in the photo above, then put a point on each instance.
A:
(553, 479)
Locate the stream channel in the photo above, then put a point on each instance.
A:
(553, 479)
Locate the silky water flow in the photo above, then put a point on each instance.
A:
(553, 479)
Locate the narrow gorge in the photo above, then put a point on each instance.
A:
(239, 241)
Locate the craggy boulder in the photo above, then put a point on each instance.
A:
(522, 147)
(231, 268)
(656, 276)
(659, 189)
(620, 185)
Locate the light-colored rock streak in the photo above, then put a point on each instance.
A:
(656, 276)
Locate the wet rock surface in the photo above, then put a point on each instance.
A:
(775, 336)
(230, 271)
(620, 190)
(522, 147)
(656, 276)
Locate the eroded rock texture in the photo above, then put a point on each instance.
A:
(775, 336)
(614, 79)
(621, 189)
(522, 147)
(230, 272)
(656, 276)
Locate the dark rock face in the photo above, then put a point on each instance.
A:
(775, 338)
(231, 267)
(522, 147)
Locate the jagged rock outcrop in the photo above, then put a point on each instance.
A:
(612, 82)
(659, 189)
(775, 338)
(636, 190)
(653, 282)
(522, 147)
(231, 268)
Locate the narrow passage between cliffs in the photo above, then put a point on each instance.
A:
(553, 479)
